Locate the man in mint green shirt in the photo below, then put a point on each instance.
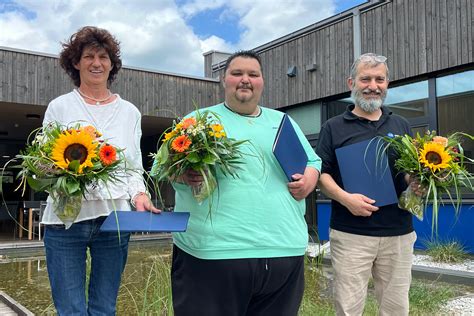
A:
(249, 258)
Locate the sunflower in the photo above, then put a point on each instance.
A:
(108, 155)
(434, 156)
(73, 145)
(181, 143)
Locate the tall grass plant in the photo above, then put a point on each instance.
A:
(447, 251)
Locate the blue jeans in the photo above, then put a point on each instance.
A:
(66, 261)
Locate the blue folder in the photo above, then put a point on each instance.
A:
(133, 221)
(288, 149)
(364, 169)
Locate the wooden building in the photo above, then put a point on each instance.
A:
(425, 42)
(30, 80)
(429, 46)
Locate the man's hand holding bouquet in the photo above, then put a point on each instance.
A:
(436, 164)
(197, 145)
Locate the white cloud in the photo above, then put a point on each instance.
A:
(264, 20)
(216, 43)
(194, 7)
(155, 33)
(267, 20)
(18, 32)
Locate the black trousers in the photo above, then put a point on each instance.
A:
(272, 286)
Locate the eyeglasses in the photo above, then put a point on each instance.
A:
(372, 57)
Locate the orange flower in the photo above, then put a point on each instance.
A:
(181, 143)
(108, 155)
(441, 140)
(91, 131)
(187, 122)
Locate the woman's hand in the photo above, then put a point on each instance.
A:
(142, 203)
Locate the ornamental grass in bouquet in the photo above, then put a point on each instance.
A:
(65, 161)
(200, 143)
(439, 165)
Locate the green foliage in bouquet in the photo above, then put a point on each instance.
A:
(438, 163)
(65, 161)
(200, 143)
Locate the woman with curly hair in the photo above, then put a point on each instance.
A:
(91, 58)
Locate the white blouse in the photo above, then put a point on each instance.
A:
(120, 124)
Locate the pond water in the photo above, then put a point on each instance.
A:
(24, 277)
(146, 288)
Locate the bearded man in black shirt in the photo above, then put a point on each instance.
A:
(366, 240)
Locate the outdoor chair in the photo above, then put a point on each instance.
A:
(32, 210)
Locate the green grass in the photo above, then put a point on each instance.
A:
(146, 290)
(448, 251)
(426, 298)
(317, 293)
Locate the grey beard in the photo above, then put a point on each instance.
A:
(369, 106)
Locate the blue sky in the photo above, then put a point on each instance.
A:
(209, 23)
(162, 35)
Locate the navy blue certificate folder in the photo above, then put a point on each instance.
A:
(133, 221)
(365, 170)
(288, 149)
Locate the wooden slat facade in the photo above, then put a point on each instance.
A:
(330, 48)
(420, 36)
(29, 78)
(313, 48)
(417, 37)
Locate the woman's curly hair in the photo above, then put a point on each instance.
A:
(89, 36)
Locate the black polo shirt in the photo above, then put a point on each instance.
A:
(347, 129)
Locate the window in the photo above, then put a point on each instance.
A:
(409, 101)
(455, 96)
(308, 117)
(338, 107)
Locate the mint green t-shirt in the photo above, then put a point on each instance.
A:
(253, 216)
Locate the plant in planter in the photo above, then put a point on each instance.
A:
(449, 251)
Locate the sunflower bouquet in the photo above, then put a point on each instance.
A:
(200, 143)
(438, 164)
(65, 161)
